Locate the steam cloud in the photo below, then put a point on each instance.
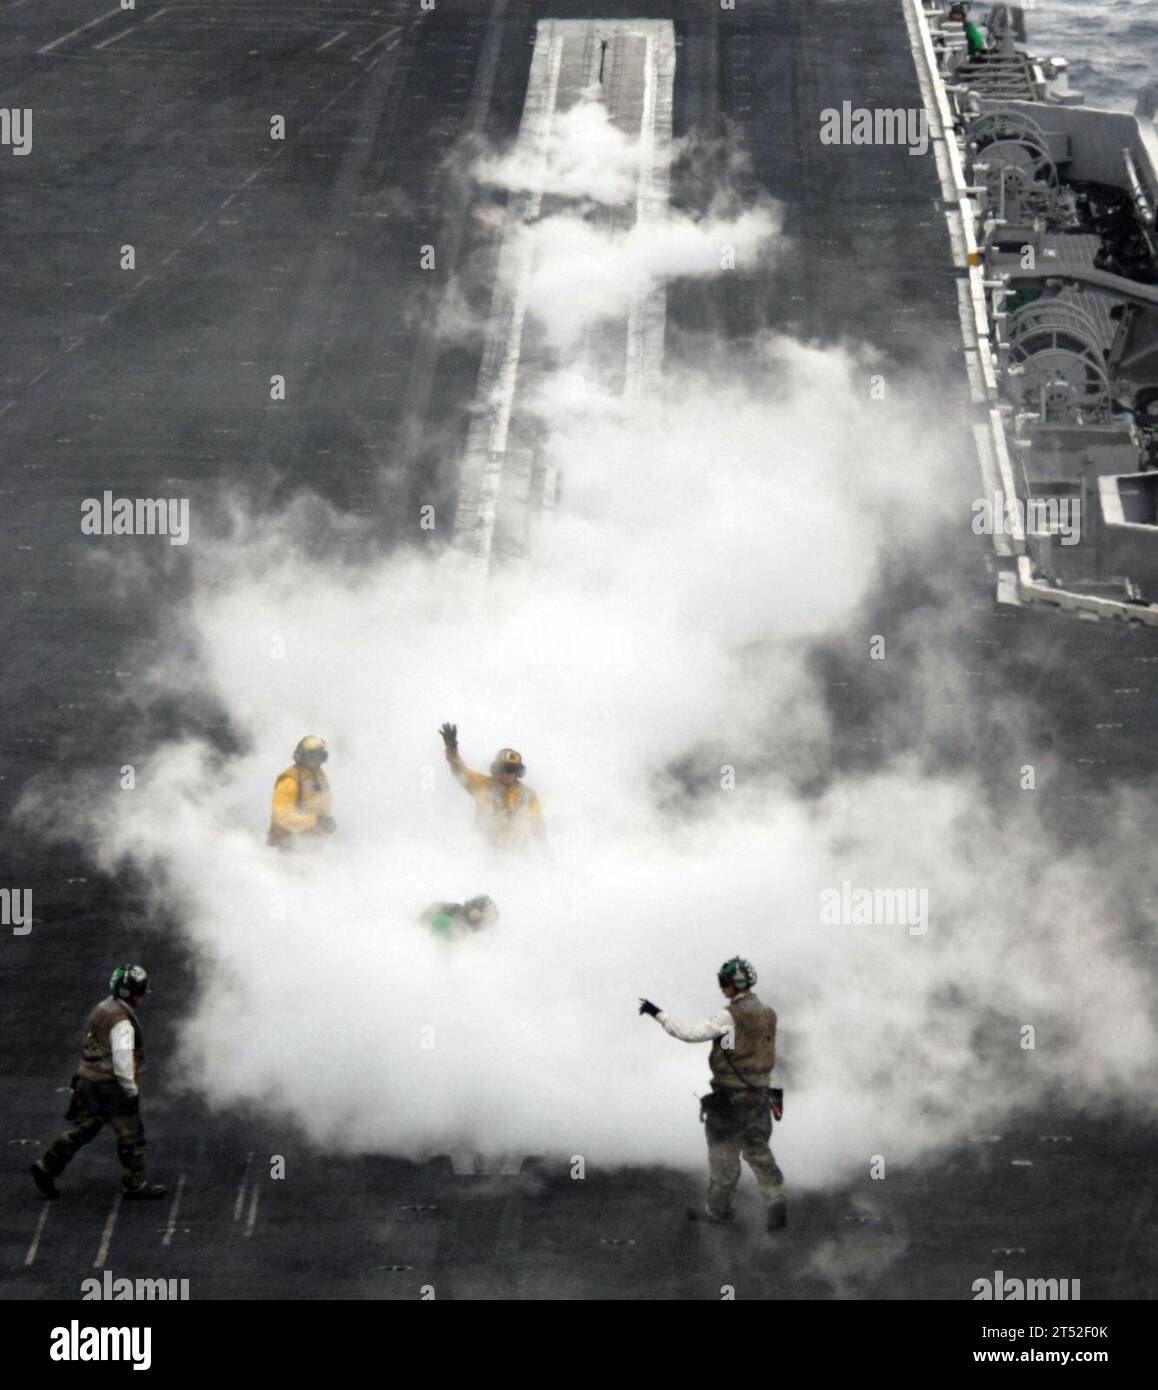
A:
(705, 543)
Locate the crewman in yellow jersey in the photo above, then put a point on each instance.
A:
(301, 798)
(507, 813)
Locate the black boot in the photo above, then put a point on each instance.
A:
(705, 1213)
(777, 1215)
(43, 1179)
(147, 1192)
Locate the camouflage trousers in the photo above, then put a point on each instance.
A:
(94, 1105)
(744, 1127)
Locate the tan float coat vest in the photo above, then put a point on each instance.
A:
(96, 1058)
(753, 1051)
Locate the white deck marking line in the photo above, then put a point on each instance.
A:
(167, 1239)
(107, 1233)
(389, 48)
(116, 38)
(176, 251)
(104, 43)
(72, 33)
(35, 1246)
(321, 48)
(131, 290)
(252, 1218)
(648, 315)
(481, 474)
(389, 34)
(240, 1203)
(634, 373)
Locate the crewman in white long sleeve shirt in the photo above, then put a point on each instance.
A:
(711, 1028)
(737, 1113)
(105, 1090)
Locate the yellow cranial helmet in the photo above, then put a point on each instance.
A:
(508, 760)
(311, 751)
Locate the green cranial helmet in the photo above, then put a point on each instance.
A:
(127, 981)
(737, 972)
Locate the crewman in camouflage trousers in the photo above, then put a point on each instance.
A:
(104, 1090)
(737, 1113)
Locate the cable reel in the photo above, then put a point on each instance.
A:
(1017, 170)
(1056, 344)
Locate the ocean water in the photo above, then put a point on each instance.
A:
(1112, 45)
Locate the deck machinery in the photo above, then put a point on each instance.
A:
(1053, 213)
